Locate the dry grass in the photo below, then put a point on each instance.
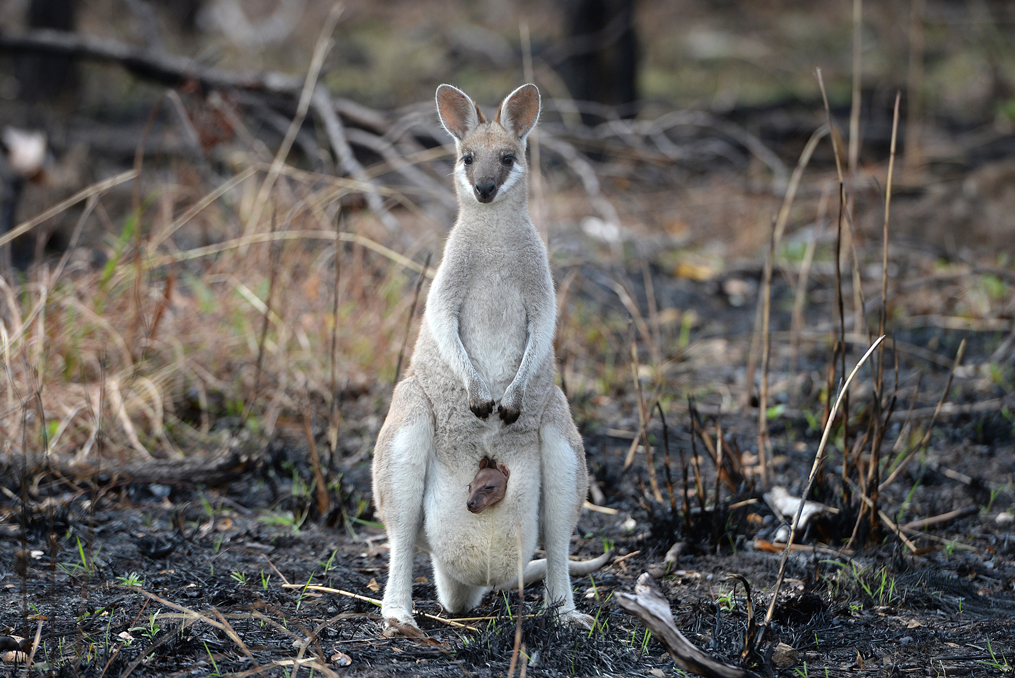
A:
(158, 349)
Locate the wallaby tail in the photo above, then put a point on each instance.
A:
(536, 569)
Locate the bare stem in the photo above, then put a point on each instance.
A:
(764, 443)
(818, 458)
(412, 314)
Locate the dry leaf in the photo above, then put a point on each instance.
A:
(699, 272)
(373, 585)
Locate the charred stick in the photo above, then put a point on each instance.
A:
(666, 452)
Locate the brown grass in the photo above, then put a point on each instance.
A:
(162, 344)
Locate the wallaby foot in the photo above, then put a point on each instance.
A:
(576, 618)
(399, 623)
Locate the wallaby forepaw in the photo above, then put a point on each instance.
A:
(482, 409)
(480, 401)
(576, 618)
(508, 414)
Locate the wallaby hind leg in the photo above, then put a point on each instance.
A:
(565, 482)
(455, 596)
(402, 457)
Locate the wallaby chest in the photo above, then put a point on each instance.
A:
(508, 277)
(492, 324)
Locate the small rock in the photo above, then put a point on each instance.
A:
(737, 290)
(1005, 518)
(784, 656)
(798, 607)
(657, 571)
(159, 491)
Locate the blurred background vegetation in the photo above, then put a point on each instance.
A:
(711, 54)
(670, 130)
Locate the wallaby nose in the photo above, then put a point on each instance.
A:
(485, 190)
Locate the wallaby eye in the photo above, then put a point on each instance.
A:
(508, 160)
(467, 159)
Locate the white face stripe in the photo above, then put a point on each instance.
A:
(517, 172)
(462, 179)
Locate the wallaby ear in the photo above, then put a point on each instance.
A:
(484, 462)
(519, 112)
(458, 114)
(503, 469)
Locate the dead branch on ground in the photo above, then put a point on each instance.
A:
(648, 604)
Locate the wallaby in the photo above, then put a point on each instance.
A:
(488, 487)
(481, 384)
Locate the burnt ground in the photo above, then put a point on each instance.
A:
(224, 563)
(177, 571)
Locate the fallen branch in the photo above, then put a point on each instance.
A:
(648, 604)
(923, 523)
(211, 471)
(335, 131)
(763, 545)
(176, 71)
(167, 69)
